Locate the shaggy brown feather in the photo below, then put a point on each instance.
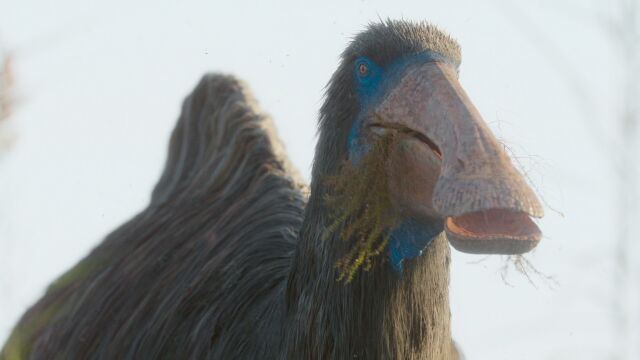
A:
(230, 261)
(174, 282)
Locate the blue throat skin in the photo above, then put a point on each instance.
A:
(409, 239)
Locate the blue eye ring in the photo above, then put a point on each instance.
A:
(367, 76)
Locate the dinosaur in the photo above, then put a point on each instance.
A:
(235, 257)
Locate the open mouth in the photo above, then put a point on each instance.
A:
(493, 231)
(385, 128)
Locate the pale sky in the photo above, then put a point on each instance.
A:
(101, 87)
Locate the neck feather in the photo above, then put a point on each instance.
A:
(380, 314)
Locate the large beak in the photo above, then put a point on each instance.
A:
(486, 202)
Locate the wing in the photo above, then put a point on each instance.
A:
(210, 251)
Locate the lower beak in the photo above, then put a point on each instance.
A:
(486, 202)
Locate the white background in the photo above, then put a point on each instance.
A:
(101, 87)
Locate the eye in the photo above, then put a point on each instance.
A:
(363, 69)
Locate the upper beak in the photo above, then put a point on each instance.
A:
(487, 202)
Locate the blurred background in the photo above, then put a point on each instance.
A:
(90, 92)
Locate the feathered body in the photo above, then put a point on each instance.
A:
(234, 259)
(207, 258)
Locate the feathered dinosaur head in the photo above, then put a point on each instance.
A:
(401, 142)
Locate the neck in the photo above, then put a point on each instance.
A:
(380, 314)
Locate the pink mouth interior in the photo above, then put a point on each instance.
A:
(494, 224)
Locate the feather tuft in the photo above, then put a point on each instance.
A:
(360, 208)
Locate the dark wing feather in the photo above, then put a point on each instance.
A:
(201, 271)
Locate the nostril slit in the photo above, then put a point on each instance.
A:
(461, 163)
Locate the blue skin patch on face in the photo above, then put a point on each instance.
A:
(372, 81)
(411, 237)
(368, 77)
